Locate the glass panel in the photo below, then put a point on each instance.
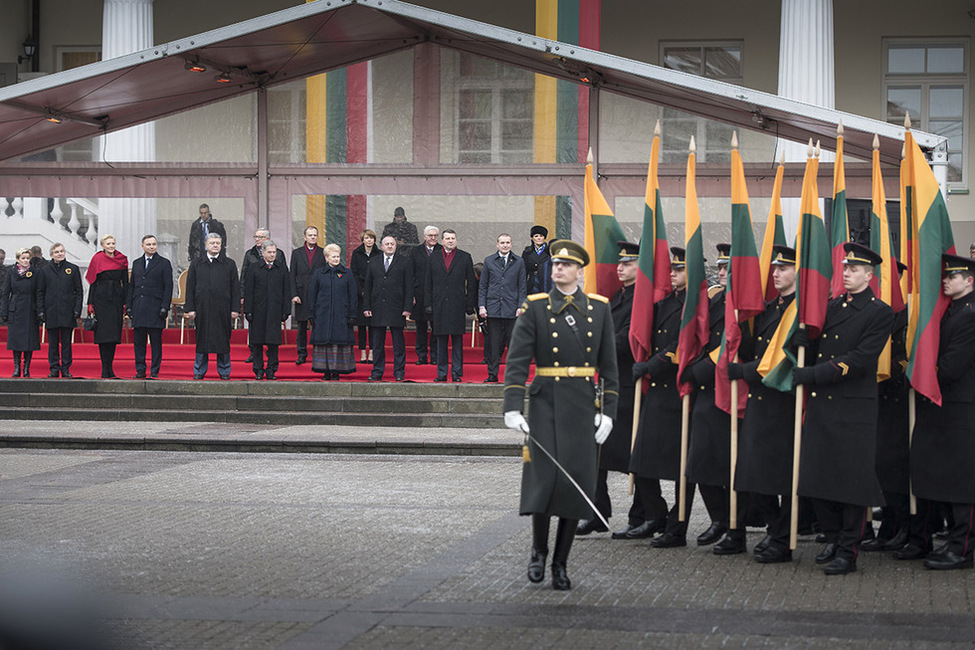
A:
(946, 101)
(717, 142)
(723, 62)
(946, 60)
(221, 132)
(475, 104)
(953, 130)
(901, 99)
(685, 59)
(517, 104)
(516, 135)
(955, 162)
(475, 136)
(905, 59)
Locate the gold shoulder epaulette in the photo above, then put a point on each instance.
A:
(714, 290)
(538, 296)
(596, 296)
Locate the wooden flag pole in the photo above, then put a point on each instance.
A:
(733, 495)
(911, 418)
(685, 421)
(794, 519)
(637, 398)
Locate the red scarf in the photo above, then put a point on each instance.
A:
(102, 262)
(448, 257)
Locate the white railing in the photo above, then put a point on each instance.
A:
(74, 215)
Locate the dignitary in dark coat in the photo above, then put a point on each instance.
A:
(199, 230)
(59, 299)
(538, 262)
(839, 442)
(425, 345)
(943, 448)
(451, 293)
(18, 309)
(709, 447)
(150, 294)
(501, 289)
(615, 453)
(333, 306)
(212, 296)
(570, 337)
(305, 260)
(656, 454)
(387, 300)
(766, 438)
(108, 275)
(255, 255)
(367, 250)
(267, 303)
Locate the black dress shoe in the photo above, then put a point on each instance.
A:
(491, 380)
(587, 526)
(938, 552)
(714, 532)
(898, 541)
(139, 375)
(269, 376)
(302, 358)
(912, 552)
(420, 362)
(66, 375)
(224, 377)
(774, 555)
(668, 540)
(949, 561)
(258, 375)
(399, 378)
(440, 379)
(371, 378)
(827, 554)
(154, 375)
(197, 377)
(536, 566)
(53, 374)
(621, 533)
(762, 546)
(250, 358)
(456, 379)
(560, 579)
(875, 544)
(729, 546)
(840, 566)
(646, 529)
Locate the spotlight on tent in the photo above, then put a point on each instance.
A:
(195, 66)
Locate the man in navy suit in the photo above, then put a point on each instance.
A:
(501, 291)
(148, 301)
(388, 300)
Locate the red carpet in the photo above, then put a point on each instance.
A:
(177, 360)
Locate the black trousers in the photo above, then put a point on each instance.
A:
(897, 514)
(272, 358)
(674, 525)
(154, 335)
(844, 524)
(426, 344)
(654, 505)
(496, 339)
(925, 523)
(456, 342)
(302, 338)
(717, 500)
(763, 507)
(605, 505)
(378, 336)
(59, 348)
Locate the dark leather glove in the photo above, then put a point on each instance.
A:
(352, 321)
(40, 316)
(736, 371)
(249, 317)
(803, 375)
(800, 337)
(639, 369)
(428, 310)
(163, 313)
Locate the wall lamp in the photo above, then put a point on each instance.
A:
(30, 49)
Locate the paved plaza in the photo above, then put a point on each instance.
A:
(256, 550)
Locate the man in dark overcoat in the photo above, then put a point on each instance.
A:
(570, 337)
(656, 453)
(254, 255)
(709, 446)
(305, 260)
(839, 443)
(267, 303)
(200, 229)
(212, 298)
(501, 289)
(59, 299)
(451, 293)
(943, 448)
(150, 294)
(615, 453)
(763, 473)
(425, 345)
(388, 300)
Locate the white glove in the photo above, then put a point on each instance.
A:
(604, 425)
(516, 421)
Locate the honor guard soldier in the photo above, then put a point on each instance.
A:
(943, 448)
(839, 442)
(569, 335)
(765, 442)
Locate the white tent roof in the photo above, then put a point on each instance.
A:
(329, 34)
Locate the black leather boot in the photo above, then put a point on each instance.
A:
(27, 359)
(17, 356)
(563, 543)
(536, 565)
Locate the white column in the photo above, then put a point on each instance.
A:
(127, 28)
(806, 74)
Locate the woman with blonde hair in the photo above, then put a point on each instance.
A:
(18, 308)
(108, 276)
(332, 305)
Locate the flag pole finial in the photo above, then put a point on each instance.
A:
(817, 150)
(839, 128)
(809, 149)
(907, 120)
(876, 142)
(734, 139)
(782, 158)
(693, 146)
(589, 157)
(656, 129)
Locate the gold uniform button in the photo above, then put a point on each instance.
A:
(556, 364)
(551, 320)
(555, 335)
(653, 384)
(588, 349)
(812, 394)
(844, 305)
(589, 334)
(587, 364)
(820, 355)
(590, 307)
(589, 319)
(749, 394)
(557, 378)
(548, 307)
(556, 351)
(836, 336)
(759, 338)
(829, 397)
(759, 398)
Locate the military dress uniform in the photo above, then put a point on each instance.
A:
(571, 340)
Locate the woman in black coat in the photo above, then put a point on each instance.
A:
(108, 275)
(19, 310)
(358, 263)
(333, 306)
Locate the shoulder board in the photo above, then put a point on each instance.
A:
(714, 290)
(596, 296)
(537, 296)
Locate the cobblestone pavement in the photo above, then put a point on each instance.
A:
(294, 551)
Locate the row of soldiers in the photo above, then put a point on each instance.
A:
(855, 452)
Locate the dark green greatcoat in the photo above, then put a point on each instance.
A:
(561, 409)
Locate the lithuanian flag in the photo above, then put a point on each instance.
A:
(932, 238)
(694, 318)
(774, 233)
(744, 297)
(602, 233)
(839, 227)
(653, 277)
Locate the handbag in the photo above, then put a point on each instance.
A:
(89, 323)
